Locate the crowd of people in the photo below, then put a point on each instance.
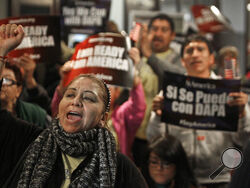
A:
(90, 134)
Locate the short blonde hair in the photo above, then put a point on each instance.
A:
(228, 50)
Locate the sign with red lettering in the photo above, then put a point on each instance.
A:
(42, 38)
(104, 55)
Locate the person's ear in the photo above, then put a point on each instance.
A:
(212, 59)
(183, 63)
(104, 119)
(19, 91)
(173, 34)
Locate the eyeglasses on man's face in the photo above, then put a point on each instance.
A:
(163, 164)
(8, 82)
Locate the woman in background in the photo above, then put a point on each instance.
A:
(11, 90)
(168, 165)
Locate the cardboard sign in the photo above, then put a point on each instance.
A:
(104, 55)
(207, 21)
(42, 38)
(199, 103)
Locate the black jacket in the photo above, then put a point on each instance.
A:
(16, 135)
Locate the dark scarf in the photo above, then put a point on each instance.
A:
(42, 154)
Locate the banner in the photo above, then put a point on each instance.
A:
(199, 103)
(104, 55)
(42, 38)
(84, 17)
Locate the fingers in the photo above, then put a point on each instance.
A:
(157, 103)
(238, 99)
(27, 63)
(26, 59)
(68, 66)
(2, 31)
(12, 29)
(19, 33)
(8, 30)
(145, 28)
(145, 42)
(158, 112)
(135, 55)
(134, 51)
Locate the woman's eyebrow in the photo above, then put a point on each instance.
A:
(71, 88)
(85, 91)
(89, 91)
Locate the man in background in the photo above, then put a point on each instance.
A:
(157, 56)
(203, 147)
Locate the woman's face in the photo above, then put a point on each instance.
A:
(160, 171)
(81, 107)
(10, 91)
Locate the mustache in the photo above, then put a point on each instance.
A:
(157, 39)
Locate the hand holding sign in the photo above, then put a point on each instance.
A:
(64, 70)
(158, 104)
(239, 99)
(145, 42)
(104, 55)
(201, 103)
(134, 54)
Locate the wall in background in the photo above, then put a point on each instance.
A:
(117, 13)
(4, 9)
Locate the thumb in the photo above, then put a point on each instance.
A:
(158, 112)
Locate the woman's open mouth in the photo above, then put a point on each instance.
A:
(74, 116)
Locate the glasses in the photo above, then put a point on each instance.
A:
(8, 82)
(163, 164)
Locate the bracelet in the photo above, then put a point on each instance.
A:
(3, 58)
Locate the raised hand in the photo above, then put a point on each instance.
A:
(11, 36)
(146, 39)
(134, 54)
(66, 68)
(29, 66)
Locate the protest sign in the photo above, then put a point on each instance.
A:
(42, 38)
(104, 55)
(83, 17)
(199, 103)
(209, 19)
